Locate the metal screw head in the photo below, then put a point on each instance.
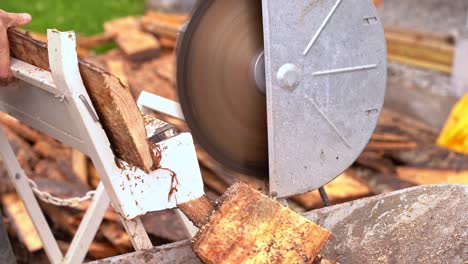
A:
(289, 76)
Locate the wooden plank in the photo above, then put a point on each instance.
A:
(16, 211)
(426, 176)
(117, 110)
(248, 227)
(163, 25)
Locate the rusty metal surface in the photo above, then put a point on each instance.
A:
(221, 103)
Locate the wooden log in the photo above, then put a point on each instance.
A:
(248, 227)
(117, 110)
(16, 211)
(136, 44)
(426, 176)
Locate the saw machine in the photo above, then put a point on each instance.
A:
(290, 91)
(285, 91)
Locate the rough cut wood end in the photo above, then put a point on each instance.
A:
(249, 227)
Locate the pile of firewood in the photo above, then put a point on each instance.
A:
(401, 154)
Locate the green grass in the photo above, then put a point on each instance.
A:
(85, 17)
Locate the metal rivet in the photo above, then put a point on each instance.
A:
(18, 176)
(289, 76)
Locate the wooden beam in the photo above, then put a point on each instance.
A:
(117, 110)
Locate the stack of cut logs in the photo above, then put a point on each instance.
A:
(401, 154)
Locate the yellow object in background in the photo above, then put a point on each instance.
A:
(455, 133)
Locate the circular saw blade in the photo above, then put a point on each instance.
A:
(223, 107)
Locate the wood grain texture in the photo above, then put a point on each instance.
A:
(117, 110)
(197, 210)
(249, 227)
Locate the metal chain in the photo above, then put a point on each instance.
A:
(68, 202)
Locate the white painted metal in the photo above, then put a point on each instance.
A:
(88, 227)
(137, 233)
(148, 101)
(21, 183)
(57, 104)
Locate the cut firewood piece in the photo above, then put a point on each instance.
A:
(116, 234)
(377, 182)
(117, 110)
(16, 212)
(161, 28)
(342, 189)
(167, 43)
(117, 67)
(376, 162)
(426, 176)
(93, 177)
(79, 163)
(249, 227)
(430, 156)
(383, 145)
(167, 17)
(136, 44)
(59, 153)
(26, 157)
(23, 130)
(163, 25)
(420, 49)
(413, 130)
(94, 41)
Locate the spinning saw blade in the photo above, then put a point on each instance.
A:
(224, 109)
(316, 70)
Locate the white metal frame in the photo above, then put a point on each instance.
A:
(57, 104)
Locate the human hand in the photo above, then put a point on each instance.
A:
(8, 20)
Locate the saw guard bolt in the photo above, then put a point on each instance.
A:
(288, 76)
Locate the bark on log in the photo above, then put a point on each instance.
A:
(117, 110)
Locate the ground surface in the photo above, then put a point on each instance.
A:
(84, 16)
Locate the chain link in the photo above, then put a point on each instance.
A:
(68, 202)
